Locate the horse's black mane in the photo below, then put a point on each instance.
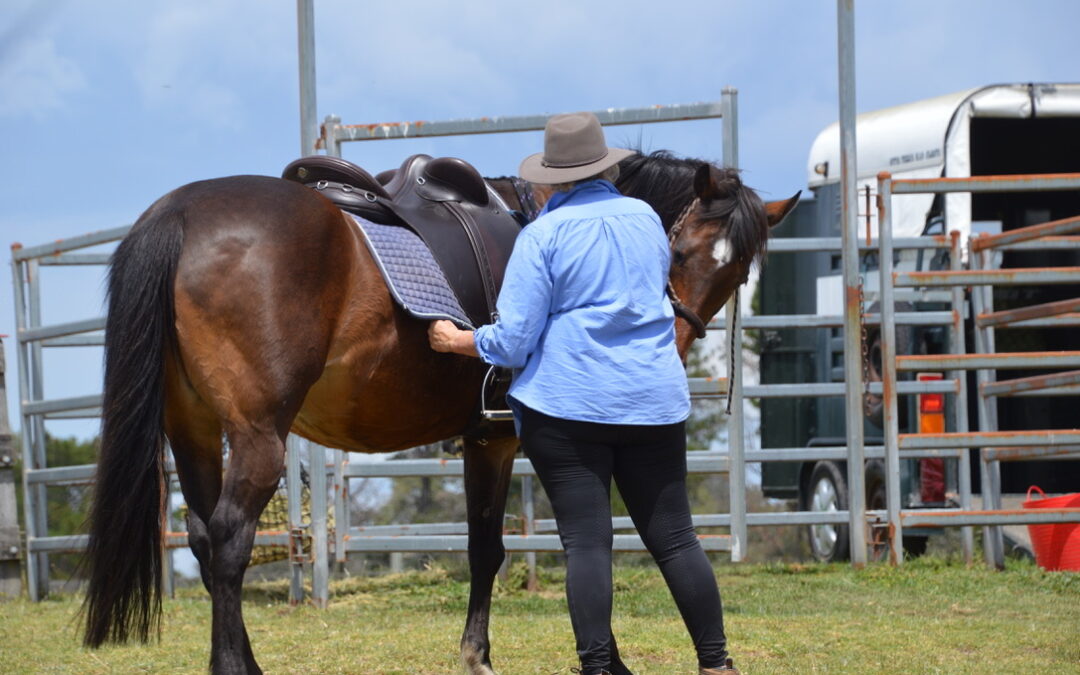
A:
(667, 183)
(660, 178)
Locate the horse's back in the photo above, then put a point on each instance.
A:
(273, 201)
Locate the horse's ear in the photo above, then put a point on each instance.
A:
(705, 178)
(775, 212)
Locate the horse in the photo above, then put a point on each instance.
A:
(243, 308)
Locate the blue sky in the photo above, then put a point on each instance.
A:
(107, 105)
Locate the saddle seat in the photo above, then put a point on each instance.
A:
(445, 201)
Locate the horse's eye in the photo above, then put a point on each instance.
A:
(678, 257)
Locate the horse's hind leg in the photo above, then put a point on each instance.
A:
(222, 511)
(256, 460)
(194, 433)
(487, 481)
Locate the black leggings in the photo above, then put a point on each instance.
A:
(575, 462)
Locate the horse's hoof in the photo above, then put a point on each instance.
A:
(472, 663)
(234, 667)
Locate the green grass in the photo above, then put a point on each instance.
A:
(931, 616)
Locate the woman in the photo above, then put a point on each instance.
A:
(599, 391)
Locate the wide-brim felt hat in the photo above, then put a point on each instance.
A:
(574, 148)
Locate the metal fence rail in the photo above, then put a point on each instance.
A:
(10, 545)
(33, 336)
(986, 361)
(535, 535)
(954, 385)
(334, 133)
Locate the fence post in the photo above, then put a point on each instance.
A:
(305, 28)
(28, 316)
(330, 141)
(981, 301)
(320, 550)
(10, 576)
(733, 328)
(988, 405)
(957, 347)
(849, 208)
(293, 492)
(528, 515)
(341, 506)
(888, 362)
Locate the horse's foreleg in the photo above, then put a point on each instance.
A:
(487, 481)
(256, 460)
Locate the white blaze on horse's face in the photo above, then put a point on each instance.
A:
(721, 252)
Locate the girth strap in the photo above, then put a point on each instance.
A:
(483, 262)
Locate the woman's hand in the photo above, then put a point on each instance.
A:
(444, 336)
(441, 335)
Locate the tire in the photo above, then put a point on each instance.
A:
(915, 547)
(877, 545)
(877, 542)
(827, 491)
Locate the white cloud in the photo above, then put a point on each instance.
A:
(35, 79)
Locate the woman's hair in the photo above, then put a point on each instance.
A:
(609, 174)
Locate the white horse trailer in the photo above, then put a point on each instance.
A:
(993, 130)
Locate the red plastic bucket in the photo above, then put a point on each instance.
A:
(1057, 545)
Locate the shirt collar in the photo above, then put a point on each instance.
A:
(582, 193)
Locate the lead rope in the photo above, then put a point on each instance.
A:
(676, 229)
(732, 375)
(676, 302)
(685, 312)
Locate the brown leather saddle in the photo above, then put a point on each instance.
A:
(445, 201)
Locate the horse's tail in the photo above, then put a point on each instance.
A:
(124, 557)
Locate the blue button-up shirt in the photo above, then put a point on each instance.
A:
(584, 316)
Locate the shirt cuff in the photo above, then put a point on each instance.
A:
(480, 339)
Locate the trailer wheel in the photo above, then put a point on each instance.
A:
(827, 492)
(877, 547)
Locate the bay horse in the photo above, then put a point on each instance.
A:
(241, 309)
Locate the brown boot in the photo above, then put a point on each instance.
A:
(727, 669)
